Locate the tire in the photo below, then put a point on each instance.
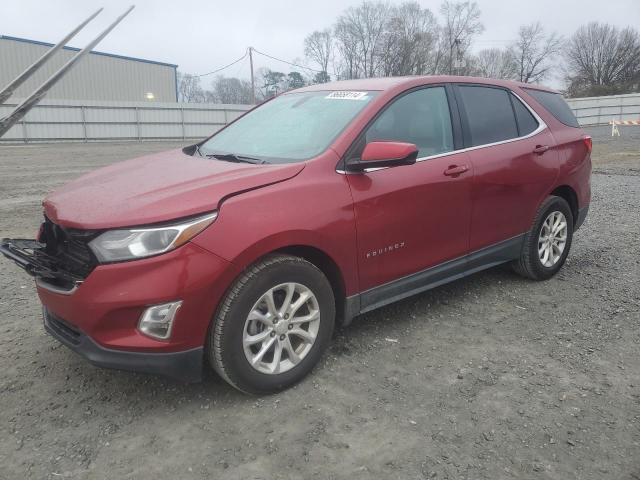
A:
(530, 264)
(228, 344)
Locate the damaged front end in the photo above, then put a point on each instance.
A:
(60, 259)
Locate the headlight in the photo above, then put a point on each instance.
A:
(129, 244)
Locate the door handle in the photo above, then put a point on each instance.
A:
(540, 149)
(455, 170)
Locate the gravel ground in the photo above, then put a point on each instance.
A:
(489, 377)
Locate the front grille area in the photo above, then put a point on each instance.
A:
(69, 247)
(63, 329)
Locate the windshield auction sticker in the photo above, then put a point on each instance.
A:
(346, 95)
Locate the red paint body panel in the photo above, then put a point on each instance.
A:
(574, 159)
(108, 304)
(156, 188)
(413, 217)
(315, 209)
(410, 218)
(387, 150)
(509, 183)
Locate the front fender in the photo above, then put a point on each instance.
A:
(312, 209)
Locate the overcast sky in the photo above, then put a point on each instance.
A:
(201, 35)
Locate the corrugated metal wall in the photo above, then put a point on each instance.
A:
(601, 110)
(65, 120)
(96, 77)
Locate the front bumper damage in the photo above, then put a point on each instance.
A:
(94, 309)
(32, 257)
(50, 275)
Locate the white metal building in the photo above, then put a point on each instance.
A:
(97, 77)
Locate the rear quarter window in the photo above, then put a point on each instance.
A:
(526, 122)
(555, 104)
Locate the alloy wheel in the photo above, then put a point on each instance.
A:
(281, 328)
(552, 239)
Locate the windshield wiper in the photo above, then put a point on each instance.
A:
(232, 157)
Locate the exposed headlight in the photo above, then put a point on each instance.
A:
(129, 244)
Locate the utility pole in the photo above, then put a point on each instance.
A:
(253, 82)
(456, 62)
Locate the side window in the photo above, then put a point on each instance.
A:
(421, 117)
(489, 114)
(526, 122)
(556, 106)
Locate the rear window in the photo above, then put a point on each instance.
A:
(489, 114)
(556, 106)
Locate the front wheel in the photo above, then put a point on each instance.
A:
(547, 244)
(273, 325)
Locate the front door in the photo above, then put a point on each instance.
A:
(410, 218)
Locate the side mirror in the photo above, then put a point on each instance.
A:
(385, 154)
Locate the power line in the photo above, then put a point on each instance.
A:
(289, 63)
(241, 66)
(246, 53)
(226, 66)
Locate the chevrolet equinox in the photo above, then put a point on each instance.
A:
(246, 249)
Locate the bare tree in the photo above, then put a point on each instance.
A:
(318, 47)
(230, 90)
(189, 89)
(348, 63)
(461, 25)
(376, 39)
(602, 59)
(534, 52)
(359, 33)
(210, 97)
(409, 42)
(496, 63)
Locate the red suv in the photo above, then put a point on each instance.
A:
(321, 204)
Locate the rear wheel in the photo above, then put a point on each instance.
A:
(272, 325)
(547, 244)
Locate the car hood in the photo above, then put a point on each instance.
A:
(156, 188)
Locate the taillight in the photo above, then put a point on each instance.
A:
(588, 142)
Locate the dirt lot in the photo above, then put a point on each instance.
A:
(490, 377)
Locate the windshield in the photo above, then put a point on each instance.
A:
(289, 128)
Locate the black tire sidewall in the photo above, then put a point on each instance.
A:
(236, 366)
(552, 204)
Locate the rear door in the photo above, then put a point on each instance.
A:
(409, 218)
(514, 159)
